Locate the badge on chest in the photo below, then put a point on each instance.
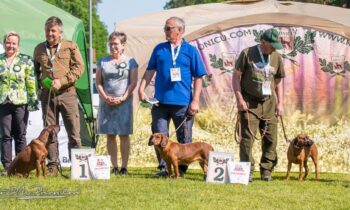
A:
(175, 74)
(266, 88)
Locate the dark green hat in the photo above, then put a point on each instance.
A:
(271, 36)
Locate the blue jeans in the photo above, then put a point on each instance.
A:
(161, 116)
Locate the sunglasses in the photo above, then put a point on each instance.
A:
(169, 28)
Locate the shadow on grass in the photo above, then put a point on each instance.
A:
(324, 178)
(188, 176)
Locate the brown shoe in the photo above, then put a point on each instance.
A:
(52, 170)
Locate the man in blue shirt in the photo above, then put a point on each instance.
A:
(177, 64)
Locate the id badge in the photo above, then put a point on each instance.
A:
(175, 74)
(266, 88)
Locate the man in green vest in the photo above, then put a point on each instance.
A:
(257, 83)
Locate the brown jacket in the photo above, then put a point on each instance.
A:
(67, 66)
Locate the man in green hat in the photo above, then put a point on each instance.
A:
(257, 83)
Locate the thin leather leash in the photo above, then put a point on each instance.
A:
(59, 166)
(178, 127)
(238, 127)
(284, 131)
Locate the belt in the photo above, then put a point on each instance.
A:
(253, 98)
(65, 90)
(60, 91)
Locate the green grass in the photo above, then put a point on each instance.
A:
(141, 190)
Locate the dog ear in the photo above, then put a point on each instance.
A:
(295, 141)
(164, 141)
(308, 141)
(150, 143)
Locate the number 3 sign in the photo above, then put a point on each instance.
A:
(217, 167)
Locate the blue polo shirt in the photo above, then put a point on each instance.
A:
(190, 64)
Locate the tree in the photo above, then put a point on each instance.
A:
(80, 9)
(180, 3)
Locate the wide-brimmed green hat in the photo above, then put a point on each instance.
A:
(271, 36)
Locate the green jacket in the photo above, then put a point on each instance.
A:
(17, 81)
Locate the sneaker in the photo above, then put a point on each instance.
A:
(52, 170)
(123, 172)
(115, 170)
(162, 173)
(266, 175)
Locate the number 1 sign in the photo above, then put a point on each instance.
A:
(217, 167)
(80, 167)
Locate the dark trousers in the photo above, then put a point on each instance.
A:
(13, 124)
(65, 103)
(161, 116)
(253, 121)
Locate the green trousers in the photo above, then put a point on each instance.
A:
(260, 117)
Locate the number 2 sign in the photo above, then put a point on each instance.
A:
(217, 167)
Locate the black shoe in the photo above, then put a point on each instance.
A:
(123, 172)
(182, 173)
(266, 175)
(115, 171)
(251, 176)
(162, 173)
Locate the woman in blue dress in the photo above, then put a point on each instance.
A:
(116, 79)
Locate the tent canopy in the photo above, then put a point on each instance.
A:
(28, 19)
(145, 32)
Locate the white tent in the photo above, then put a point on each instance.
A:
(316, 56)
(146, 31)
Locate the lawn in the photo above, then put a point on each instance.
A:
(141, 190)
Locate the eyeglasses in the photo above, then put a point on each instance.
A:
(169, 28)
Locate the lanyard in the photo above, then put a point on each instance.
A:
(173, 54)
(266, 70)
(49, 52)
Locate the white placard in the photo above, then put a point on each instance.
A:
(238, 172)
(217, 169)
(80, 167)
(99, 166)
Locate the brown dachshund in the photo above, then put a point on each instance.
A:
(175, 153)
(33, 156)
(300, 149)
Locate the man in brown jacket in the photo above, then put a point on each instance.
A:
(58, 65)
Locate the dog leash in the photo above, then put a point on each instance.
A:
(284, 131)
(178, 127)
(238, 127)
(59, 166)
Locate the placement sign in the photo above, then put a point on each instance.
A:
(80, 167)
(217, 167)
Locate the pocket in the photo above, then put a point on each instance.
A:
(64, 54)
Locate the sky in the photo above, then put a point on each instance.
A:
(111, 11)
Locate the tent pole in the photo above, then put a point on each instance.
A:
(91, 69)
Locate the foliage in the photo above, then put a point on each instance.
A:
(80, 9)
(181, 3)
(141, 190)
(216, 126)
